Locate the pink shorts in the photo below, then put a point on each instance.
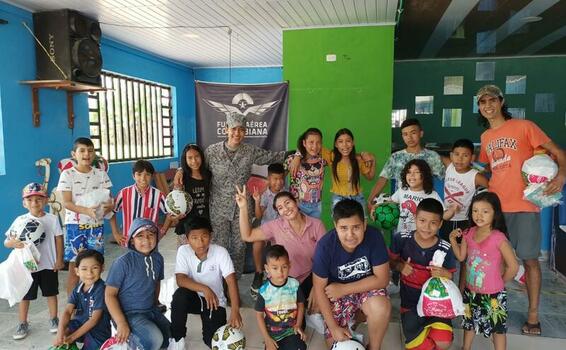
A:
(344, 309)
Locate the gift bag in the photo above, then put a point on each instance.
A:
(16, 278)
(440, 297)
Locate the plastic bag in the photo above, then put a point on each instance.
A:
(95, 199)
(16, 278)
(166, 291)
(316, 322)
(30, 256)
(537, 171)
(534, 194)
(440, 297)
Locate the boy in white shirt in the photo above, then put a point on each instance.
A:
(84, 229)
(200, 271)
(50, 261)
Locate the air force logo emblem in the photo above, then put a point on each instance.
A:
(242, 103)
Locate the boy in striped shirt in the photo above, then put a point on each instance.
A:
(140, 200)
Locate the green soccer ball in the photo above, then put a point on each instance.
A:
(387, 215)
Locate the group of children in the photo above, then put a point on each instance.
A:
(350, 264)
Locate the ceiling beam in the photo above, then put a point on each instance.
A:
(534, 8)
(451, 19)
(544, 42)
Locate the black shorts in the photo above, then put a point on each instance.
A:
(47, 280)
(449, 226)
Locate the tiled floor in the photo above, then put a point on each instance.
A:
(553, 316)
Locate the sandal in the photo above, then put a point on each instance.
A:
(531, 329)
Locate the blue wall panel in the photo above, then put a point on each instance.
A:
(24, 144)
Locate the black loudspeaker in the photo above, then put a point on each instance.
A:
(73, 41)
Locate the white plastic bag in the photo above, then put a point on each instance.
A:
(166, 291)
(16, 278)
(440, 297)
(95, 199)
(30, 256)
(537, 172)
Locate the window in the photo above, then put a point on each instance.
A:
(398, 116)
(424, 104)
(515, 84)
(451, 117)
(132, 119)
(454, 85)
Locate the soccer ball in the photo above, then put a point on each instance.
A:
(347, 345)
(387, 215)
(178, 202)
(228, 338)
(28, 230)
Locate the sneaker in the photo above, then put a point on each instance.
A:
(258, 281)
(53, 325)
(392, 288)
(21, 331)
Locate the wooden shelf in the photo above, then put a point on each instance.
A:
(70, 88)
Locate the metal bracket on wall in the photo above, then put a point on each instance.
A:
(69, 86)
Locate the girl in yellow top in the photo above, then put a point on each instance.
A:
(347, 167)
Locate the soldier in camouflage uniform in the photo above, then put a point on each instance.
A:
(230, 163)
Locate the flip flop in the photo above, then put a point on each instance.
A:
(531, 329)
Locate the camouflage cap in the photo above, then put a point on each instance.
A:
(234, 120)
(490, 90)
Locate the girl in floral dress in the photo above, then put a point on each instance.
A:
(490, 262)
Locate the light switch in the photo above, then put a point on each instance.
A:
(331, 58)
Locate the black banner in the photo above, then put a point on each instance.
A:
(264, 106)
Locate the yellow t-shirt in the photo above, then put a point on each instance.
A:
(344, 187)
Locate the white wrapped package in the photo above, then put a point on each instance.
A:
(539, 169)
(95, 199)
(537, 172)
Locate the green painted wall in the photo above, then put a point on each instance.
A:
(355, 92)
(415, 78)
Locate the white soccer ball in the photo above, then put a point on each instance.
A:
(347, 345)
(178, 202)
(28, 230)
(228, 338)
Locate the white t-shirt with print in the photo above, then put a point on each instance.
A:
(210, 271)
(80, 184)
(408, 201)
(459, 189)
(52, 228)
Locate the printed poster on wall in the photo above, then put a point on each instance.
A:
(265, 107)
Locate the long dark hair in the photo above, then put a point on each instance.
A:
(355, 176)
(309, 131)
(498, 218)
(504, 110)
(426, 174)
(187, 171)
